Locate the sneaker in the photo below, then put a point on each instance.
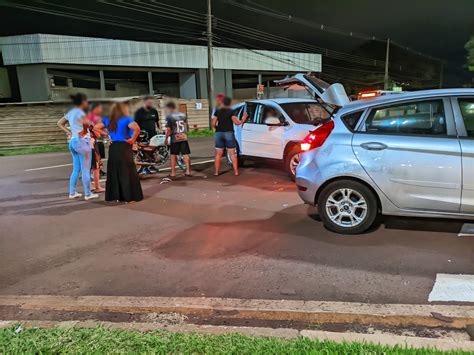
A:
(75, 195)
(91, 196)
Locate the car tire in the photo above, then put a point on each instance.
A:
(347, 207)
(240, 160)
(289, 161)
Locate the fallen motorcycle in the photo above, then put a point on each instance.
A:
(151, 154)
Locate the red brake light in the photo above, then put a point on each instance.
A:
(317, 137)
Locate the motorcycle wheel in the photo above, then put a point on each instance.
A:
(180, 162)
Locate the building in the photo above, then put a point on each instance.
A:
(44, 67)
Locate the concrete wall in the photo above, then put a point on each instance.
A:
(34, 83)
(5, 90)
(123, 89)
(187, 86)
(35, 123)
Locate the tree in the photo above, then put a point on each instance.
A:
(470, 54)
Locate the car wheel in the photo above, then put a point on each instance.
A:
(347, 207)
(292, 160)
(240, 161)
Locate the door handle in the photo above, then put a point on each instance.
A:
(374, 146)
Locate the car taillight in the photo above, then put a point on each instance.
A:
(317, 137)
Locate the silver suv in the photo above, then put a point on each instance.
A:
(409, 155)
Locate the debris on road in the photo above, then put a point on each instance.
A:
(165, 318)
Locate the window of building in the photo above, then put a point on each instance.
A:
(59, 80)
(86, 84)
(414, 118)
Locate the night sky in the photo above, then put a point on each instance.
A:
(439, 28)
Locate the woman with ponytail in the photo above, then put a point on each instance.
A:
(123, 183)
(79, 145)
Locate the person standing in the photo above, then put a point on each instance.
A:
(98, 149)
(123, 183)
(147, 117)
(223, 122)
(177, 129)
(79, 146)
(219, 102)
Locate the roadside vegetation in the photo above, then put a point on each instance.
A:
(34, 150)
(101, 340)
(201, 133)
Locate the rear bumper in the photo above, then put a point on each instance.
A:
(307, 176)
(306, 190)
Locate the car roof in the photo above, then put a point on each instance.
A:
(281, 101)
(406, 95)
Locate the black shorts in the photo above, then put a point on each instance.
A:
(177, 148)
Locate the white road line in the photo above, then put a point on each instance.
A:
(196, 163)
(63, 165)
(451, 287)
(49, 167)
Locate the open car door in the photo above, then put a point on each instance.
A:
(331, 94)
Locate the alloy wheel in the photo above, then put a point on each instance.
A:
(294, 162)
(346, 207)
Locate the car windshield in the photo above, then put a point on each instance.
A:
(306, 112)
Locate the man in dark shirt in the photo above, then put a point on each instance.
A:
(223, 122)
(147, 117)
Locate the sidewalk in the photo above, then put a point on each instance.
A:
(203, 315)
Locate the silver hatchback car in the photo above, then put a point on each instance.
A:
(410, 154)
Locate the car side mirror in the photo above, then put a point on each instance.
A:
(273, 121)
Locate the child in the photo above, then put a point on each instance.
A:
(177, 129)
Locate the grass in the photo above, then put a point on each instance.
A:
(201, 133)
(50, 148)
(102, 340)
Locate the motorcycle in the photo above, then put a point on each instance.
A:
(153, 153)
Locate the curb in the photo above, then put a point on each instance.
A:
(397, 315)
(378, 339)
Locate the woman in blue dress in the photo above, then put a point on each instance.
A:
(123, 183)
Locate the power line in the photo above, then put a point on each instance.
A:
(89, 18)
(319, 26)
(255, 34)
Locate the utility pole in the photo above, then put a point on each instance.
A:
(210, 67)
(441, 76)
(386, 85)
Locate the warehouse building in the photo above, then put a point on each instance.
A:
(44, 67)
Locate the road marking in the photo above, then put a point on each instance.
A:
(450, 287)
(70, 164)
(49, 167)
(196, 163)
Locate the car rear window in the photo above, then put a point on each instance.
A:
(351, 119)
(306, 112)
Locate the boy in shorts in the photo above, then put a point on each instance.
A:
(177, 130)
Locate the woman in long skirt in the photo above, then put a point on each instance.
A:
(123, 183)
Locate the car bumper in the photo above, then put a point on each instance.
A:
(305, 179)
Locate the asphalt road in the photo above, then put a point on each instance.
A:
(243, 237)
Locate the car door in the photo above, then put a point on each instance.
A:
(463, 108)
(411, 152)
(260, 139)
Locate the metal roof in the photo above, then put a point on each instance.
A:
(59, 49)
